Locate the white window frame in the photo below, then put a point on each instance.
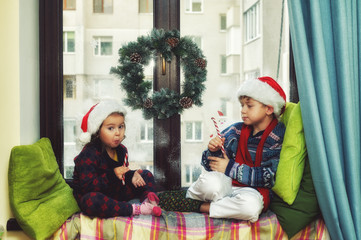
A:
(146, 126)
(189, 169)
(110, 2)
(193, 139)
(98, 40)
(252, 23)
(65, 42)
(189, 6)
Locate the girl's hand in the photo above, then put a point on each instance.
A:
(215, 144)
(137, 179)
(120, 172)
(218, 164)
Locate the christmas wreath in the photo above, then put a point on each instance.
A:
(165, 102)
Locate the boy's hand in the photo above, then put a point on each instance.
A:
(218, 164)
(137, 179)
(215, 144)
(120, 171)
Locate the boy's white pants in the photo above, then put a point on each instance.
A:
(243, 203)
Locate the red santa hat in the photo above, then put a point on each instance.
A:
(94, 118)
(265, 90)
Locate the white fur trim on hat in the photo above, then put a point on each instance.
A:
(264, 93)
(95, 117)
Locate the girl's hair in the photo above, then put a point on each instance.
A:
(95, 139)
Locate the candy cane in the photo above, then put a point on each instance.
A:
(218, 132)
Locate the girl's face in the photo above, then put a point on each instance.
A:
(112, 131)
(255, 113)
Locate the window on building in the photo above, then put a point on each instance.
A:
(146, 132)
(192, 173)
(145, 6)
(194, 6)
(223, 22)
(103, 6)
(69, 4)
(194, 131)
(69, 86)
(103, 46)
(252, 23)
(223, 64)
(69, 146)
(69, 42)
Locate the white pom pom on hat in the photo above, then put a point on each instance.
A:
(93, 119)
(265, 90)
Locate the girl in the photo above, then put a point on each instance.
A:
(103, 183)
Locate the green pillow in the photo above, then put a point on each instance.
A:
(40, 198)
(304, 209)
(292, 156)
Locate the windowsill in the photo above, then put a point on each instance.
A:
(250, 41)
(193, 141)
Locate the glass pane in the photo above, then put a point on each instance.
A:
(145, 6)
(98, 35)
(231, 58)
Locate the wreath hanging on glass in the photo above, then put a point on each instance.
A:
(134, 56)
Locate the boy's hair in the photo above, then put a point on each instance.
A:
(265, 90)
(95, 117)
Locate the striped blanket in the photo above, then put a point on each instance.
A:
(182, 226)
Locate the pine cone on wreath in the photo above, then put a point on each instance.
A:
(135, 58)
(148, 103)
(172, 42)
(201, 63)
(186, 102)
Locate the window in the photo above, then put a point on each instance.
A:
(69, 4)
(193, 131)
(69, 146)
(88, 70)
(194, 6)
(145, 6)
(252, 23)
(69, 42)
(69, 86)
(146, 132)
(223, 22)
(192, 173)
(223, 64)
(103, 46)
(103, 6)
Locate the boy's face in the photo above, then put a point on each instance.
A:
(112, 131)
(254, 112)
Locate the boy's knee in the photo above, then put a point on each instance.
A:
(210, 186)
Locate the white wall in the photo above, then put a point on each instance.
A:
(19, 89)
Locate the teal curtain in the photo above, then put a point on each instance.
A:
(326, 38)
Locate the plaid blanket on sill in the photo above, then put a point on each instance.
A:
(181, 225)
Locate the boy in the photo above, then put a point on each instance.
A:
(238, 182)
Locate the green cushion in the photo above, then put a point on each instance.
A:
(303, 211)
(292, 156)
(40, 198)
